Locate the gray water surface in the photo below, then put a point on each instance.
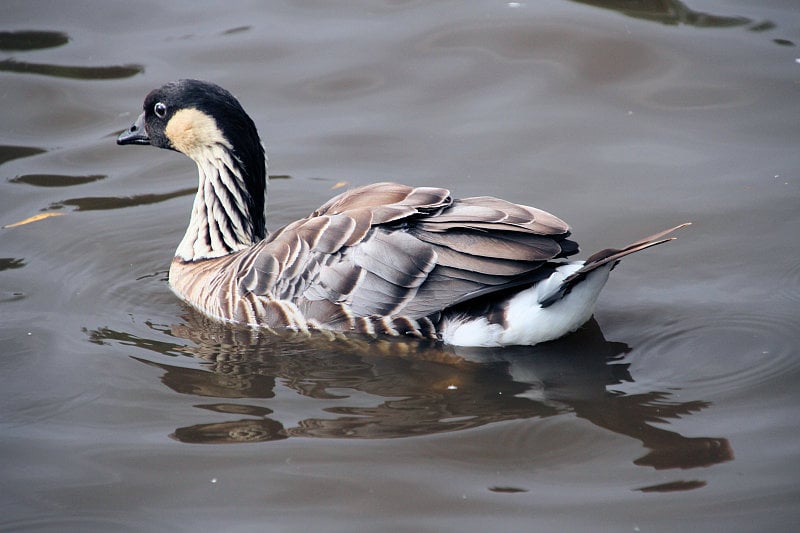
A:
(675, 408)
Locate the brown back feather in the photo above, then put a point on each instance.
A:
(388, 249)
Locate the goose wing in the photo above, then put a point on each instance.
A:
(392, 250)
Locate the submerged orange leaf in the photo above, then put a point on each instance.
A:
(339, 185)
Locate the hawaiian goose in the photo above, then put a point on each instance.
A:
(381, 259)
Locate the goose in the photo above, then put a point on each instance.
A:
(381, 259)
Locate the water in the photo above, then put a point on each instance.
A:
(675, 408)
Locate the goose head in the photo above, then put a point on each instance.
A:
(208, 124)
(191, 116)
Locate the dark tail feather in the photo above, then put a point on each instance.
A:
(609, 255)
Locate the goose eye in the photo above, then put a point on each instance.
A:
(160, 109)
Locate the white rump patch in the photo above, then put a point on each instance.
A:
(527, 322)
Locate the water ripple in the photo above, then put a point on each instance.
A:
(789, 283)
(669, 12)
(674, 486)
(9, 152)
(55, 180)
(735, 350)
(60, 522)
(31, 40)
(7, 263)
(72, 71)
(98, 203)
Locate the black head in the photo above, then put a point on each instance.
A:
(193, 102)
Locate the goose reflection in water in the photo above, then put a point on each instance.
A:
(670, 12)
(416, 387)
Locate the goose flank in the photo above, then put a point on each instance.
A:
(385, 258)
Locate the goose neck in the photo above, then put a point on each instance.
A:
(225, 216)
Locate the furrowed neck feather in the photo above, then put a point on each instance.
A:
(228, 210)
